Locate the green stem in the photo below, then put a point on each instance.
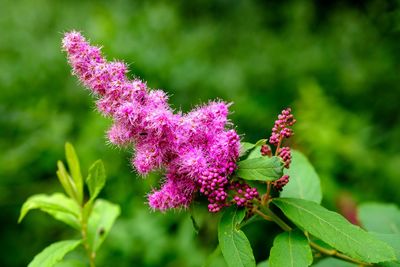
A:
(276, 219)
(266, 217)
(266, 196)
(336, 254)
(251, 220)
(84, 232)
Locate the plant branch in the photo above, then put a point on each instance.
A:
(266, 195)
(279, 145)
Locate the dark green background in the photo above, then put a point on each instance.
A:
(336, 63)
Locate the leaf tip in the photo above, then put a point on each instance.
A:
(21, 217)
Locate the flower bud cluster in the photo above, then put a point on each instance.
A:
(212, 184)
(281, 127)
(195, 149)
(280, 131)
(284, 153)
(244, 194)
(281, 182)
(266, 150)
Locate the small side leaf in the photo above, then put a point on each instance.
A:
(54, 253)
(75, 169)
(66, 180)
(335, 230)
(260, 169)
(304, 182)
(255, 153)
(290, 249)
(245, 147)
(261, 142)
(57, 205)
(96, 179)
(101, 220)
(380, 217)
(234, 244)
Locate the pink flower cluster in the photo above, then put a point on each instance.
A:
(195, 149)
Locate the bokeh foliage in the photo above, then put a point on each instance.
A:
(336, 63)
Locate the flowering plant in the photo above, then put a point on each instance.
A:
(202, 156)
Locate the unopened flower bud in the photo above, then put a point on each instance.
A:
(266, 150)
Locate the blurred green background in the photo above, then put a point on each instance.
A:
(336, 63)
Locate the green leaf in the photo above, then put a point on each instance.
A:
(304, 182)
(72, 263)
(380, 217)
(263, 264)
(96, 179)
(320, 243)
(54, 253)
(290, 249)
(57, 205)
(195, 225)
(255, 153)
(394, 241)
(212, 257)
(233, 242)
(101, 220)
(261, 142)
(390, 264)
(332, 262)
(260, 169)
(335, 230)
(75, 169)
(66, 180)
(245, 147)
